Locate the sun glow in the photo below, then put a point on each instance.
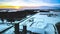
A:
(24, 3)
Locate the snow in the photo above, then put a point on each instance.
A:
(40, 24)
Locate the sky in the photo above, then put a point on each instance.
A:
(30, 2)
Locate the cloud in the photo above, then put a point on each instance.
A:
(29, 3)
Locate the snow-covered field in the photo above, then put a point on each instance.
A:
(38, 23)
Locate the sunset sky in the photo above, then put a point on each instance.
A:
(29, 2)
